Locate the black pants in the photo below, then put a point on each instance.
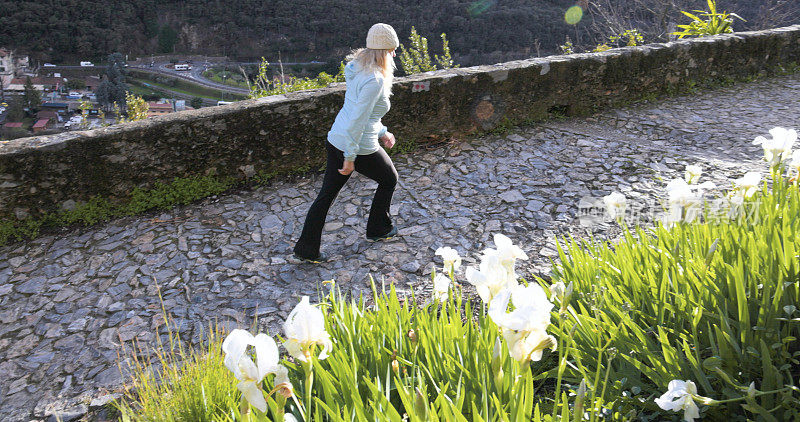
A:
(378, 167)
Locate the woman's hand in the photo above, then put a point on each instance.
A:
(348, 168)
(388, 140)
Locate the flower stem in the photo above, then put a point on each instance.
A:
(563, 352)
(596, 383)
(759, 393)
(309, 368)
(244, 408)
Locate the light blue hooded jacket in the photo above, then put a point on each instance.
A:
(358, 125)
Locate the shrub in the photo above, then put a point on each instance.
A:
(263, 86)
(182, 190)
(136, 107)
(416, 59)
(630, 38)
(713, 24)
(567, 47)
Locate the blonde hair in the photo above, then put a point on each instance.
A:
(376, 60)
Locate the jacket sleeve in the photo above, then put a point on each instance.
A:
(383, 131)
(367, 97)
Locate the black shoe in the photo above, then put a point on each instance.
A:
(322, 257)
(392, 233)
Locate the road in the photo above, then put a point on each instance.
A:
(195, 75)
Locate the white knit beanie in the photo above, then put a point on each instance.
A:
(382, 37)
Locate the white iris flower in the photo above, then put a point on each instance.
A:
(305, 329)
(249, 373)
(680, 396)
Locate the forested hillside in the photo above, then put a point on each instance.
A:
(481, 31)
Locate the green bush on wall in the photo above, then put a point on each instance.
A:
(162, 196)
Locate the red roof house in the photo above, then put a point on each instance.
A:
(47, 114)
(158, 109)
(42, 124)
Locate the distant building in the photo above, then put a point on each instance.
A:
(47, 114)
(42, 124)
(11, 65)
(41, 84)
(92, 82)
(6, 67)
(159, 109)
(55, 106)
(13, 125)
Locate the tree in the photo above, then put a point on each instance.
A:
(196, 102)
(415, 59)
(137, 107)
(15, 112)
(777, 13)
(116, 66)
(13, 133)
(151, 27)
(75, 83)
(103, 93)
(167, 37)
(32, 99)
(85, 106)
(113, 87)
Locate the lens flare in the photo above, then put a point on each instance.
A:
(574, 15)
(479, 6)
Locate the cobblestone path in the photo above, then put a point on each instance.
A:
(68, 301)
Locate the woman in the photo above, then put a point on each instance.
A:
(353, 142)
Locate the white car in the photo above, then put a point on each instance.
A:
(87, 64)
(49, 65)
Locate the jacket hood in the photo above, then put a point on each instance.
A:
(350, 69)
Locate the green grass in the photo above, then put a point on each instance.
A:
(189, 385)
(180, 191)
(710, 302)
(135, 88)
(182, 85)
(443, 367)
(232, 79)
(704, 302)
(193, 93)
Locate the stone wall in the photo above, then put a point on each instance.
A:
(286, 132)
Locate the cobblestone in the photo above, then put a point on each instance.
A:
(69, 302)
